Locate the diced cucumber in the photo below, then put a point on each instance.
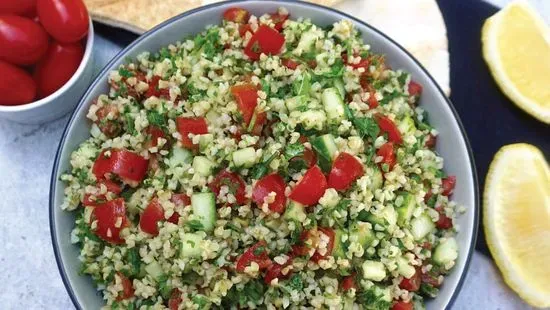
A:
(154, 270)
(326, 148)
(244, 158)
(203, 166)
(404, 268)
(334, 105)
(387, 217)
(339, 248)
(362, 231)
(301, 86)
(204, 208)
(295, 212)
(205, 140)
(377, 179)
(406, 125)
(339, 84)
(296, 102)
(405, 210)
(421, 226)
(306, 41)
(446, 251)
(190, 245)
(373, 270)
(180, 156)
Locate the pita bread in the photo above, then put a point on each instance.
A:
(415, 24)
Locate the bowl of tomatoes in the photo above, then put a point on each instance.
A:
(45, 58)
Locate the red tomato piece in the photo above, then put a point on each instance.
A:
(154, 89)
(275, 271)
(259, 122)
(22, 41)
(256, 253)
(233, 181)
(279, 20)
(431, 141)
(388, 126)
(57, 67)
(175, 299)
(412, 284)
(148, 221)
(18, 7)
(129, 166)
(270, 183)
(16, 85)
(401, 305)
(65, 20)
(178, 200)
(363, 63)
(448, 185)
(243, 29)
(153, 134)
(317, 256)
(415, 89)
(247, 99)
(444, 222)
(236, 15)
(388, 154)
(430, 279)
(112, 187)
(348, 283)
(289, 63)
(111, 219)
(311, 188)
(127, 288)
(345, 170)
(265, 40)
(194, 125)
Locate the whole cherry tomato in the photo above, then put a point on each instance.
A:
(22, 41)
(18, 7)
(57, 67)
(65, 20)
(16, 85)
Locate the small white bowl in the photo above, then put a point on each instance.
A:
(62, 100)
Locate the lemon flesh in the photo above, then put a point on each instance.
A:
(517, 220)
(516, 47)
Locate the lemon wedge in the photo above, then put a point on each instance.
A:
(516, 46)
(516, 217)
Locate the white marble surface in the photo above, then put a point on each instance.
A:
(29, 278)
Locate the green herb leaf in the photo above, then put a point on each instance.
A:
(195, 225)
(295, 283)
(428, 290)
(366, 127)
(302, 86)
(156, 119)
(294, 150)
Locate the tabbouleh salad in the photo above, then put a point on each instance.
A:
(265, 163)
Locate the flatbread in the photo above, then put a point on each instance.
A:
(415, 24)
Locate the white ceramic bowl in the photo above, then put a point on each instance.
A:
(62, 100)
(452, 141)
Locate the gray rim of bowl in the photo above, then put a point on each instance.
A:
(83, 63)
(98, 79)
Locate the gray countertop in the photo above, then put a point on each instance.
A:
(29, 278)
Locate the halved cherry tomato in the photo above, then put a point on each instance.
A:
(16, 85)
(127, 287)
(388, 154)
(256, 253)
(388, 126)
(129, 166)
(65, 20)
(431, 141)
(412, 284)
(348, 283)
(289, 63)
(153, 133)
(175, 299)
(275, 271)
(444, 222)
(401, 305)
(265, 40)
(247, 99)
(279, 20)
(178, 200)
(194, 125)
(154, 89)
(317, 256)
(345, 170)
(22, 41)
(415, 89)
(154, 213)
(270, 183)
(311, 188)
(236, 15)
(18, 7)
(448, 185)
(111, 219)
(57, 67)
(112, 187)
(233, 181)
(243, 29)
